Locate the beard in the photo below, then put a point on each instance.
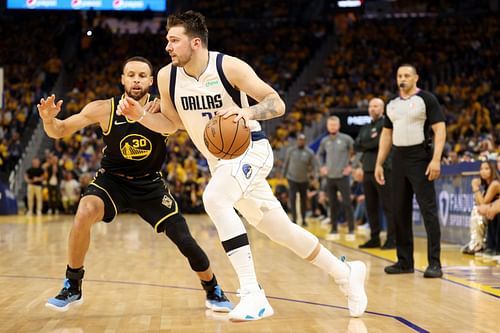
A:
(135, 94)
(181, 62)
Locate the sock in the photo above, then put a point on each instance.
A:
(331, 264)
(209, 286)
(75, 276)
(242, 261)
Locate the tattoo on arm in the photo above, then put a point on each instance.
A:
(268, 108)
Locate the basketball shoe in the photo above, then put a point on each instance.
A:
(252, 306)
(67, 297)
(217, 301)
(354, 288)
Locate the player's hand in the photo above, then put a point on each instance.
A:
(240, 113)
(153, 106)
(379, 174)
(433, 170)
(47, 109)
(130, 108)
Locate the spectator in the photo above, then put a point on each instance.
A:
(490, 182)
(300, 163)
(53, 174)
(34, 179)
(338, 149)
(70, 192)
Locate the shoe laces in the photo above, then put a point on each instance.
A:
(217, 295)
(66, 291)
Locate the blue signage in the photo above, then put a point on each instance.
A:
(125, 5)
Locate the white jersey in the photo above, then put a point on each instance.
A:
(197, 101)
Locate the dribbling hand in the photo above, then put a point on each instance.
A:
(240, 113)
(47, 109)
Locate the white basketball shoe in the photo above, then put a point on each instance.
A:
(252, 306)
(354, 288)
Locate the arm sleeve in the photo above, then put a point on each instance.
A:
(432, 108)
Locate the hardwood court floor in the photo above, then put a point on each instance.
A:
(136, 281)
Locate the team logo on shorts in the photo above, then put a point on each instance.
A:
(135, 147)
(167, 201)
(247, 170)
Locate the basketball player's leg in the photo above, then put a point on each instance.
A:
(219, 197)
(159, 208)
(263, 211)
(95, 205)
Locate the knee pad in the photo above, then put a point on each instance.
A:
(276, 225)
(178, 232)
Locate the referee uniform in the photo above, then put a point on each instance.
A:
(410, 120)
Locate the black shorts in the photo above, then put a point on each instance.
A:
(149, 197)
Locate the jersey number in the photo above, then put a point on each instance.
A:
(136, 143)
(207, 114)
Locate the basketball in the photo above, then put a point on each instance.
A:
(226, 139)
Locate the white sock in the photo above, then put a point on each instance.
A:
(331, 264)
(242, 261)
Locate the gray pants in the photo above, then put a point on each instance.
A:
(341, 185)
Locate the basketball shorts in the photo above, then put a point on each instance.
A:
(149, 197)
(250, 172)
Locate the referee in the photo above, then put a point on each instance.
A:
(409, 118)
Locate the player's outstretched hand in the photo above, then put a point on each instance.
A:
(47, 109)
(130, 108)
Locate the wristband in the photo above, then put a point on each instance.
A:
(143, 114)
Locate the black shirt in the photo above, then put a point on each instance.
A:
(32, 173)
(367, 142)
(132, 149)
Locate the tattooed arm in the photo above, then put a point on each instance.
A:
(243, 78)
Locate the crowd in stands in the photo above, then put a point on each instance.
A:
(31, 64)
(455, 57)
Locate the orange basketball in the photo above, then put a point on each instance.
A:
(226, 139)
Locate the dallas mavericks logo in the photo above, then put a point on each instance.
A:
(247, 170)
(444, 206)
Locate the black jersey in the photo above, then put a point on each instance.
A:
(131, 149)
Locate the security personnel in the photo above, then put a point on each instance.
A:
(375, 194)
(409, 118)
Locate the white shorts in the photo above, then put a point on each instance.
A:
(250, 172)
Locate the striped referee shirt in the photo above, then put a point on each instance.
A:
(411, 118)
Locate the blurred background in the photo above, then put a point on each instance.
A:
(323, 57)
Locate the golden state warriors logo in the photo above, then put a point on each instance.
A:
(135, 147)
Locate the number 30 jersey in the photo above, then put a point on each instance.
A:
(197, 100)
(131, 149)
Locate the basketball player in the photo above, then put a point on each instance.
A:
(130, 178)
(197, 85)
